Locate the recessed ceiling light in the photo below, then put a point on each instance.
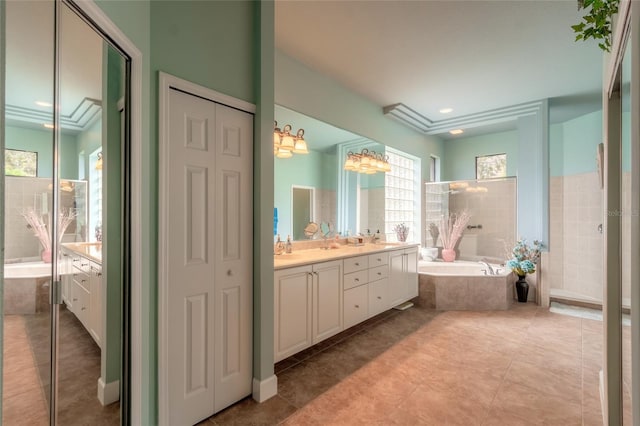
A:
(456, 131)
(48, 125)
(44, 104)
(446, 110)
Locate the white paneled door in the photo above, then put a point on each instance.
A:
(209, 286)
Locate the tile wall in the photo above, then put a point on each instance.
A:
(23, 193)
(575, 260)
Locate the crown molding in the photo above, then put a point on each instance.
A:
(419, 122)
(81, 118)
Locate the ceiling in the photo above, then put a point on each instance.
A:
(471, 56)
(29, 66)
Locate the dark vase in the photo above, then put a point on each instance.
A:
(522, 288)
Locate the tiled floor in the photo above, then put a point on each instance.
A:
(524, 366)
(26, 373)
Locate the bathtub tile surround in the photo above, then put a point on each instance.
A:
(402, 368)
(462, 286)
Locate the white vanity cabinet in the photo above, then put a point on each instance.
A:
(316, 301)
(95, 302)
(308, 306)
(82, 291)
(403, 275)
(356, 290)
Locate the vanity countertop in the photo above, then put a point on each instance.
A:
(92, 251)
(310, 256)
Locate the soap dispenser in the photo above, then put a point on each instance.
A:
(279, 247)
(288, 248)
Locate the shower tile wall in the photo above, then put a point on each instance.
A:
(575, 253)
(325, 206)
(495, 210)
(23, 193)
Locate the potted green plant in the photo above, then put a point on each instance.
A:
(523, 261)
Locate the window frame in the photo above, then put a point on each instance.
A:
(488, 156)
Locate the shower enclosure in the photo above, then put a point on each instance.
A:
(491, 231)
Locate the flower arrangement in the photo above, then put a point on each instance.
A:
(525, 257)
(42, 230)
(402, 231)
(451, 228)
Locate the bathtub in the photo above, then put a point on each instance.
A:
(26, 287)
(463, 285)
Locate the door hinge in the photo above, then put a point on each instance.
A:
(56, 293)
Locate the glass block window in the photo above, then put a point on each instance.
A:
(491, 166)
(20, 163)
(95, 196)
(402, 195)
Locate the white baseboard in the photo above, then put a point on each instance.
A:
(108, 392)
(265, 389)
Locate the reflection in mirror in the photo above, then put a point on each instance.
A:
(302, 208)
(318, 170)
(311, 230)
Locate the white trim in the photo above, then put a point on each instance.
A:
(186, 86)
(265, 389)
(108, 392)
(94, 12)
(619, 40)
(166, 83)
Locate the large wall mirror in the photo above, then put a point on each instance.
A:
(350, 202)
(64, 213)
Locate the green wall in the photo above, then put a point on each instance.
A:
(41, 141)
(226, 46)
(579, 140)
(307, 91)
(316, 169)
(459, 162)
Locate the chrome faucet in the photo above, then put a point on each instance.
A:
(489, 267)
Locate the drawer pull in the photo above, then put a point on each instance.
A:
(83, 281)
(379, 260)
(379, 273)
(357, 264)
(75, 299)
(84, 264)
(356, 279)
(357, 306)
(379, 297)
(83, 308)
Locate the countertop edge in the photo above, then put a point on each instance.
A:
(339, 254)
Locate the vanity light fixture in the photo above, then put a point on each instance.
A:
(456, 131)
(99, 162)
(367, 162)
(285, 144)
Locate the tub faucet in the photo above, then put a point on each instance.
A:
(489, 267)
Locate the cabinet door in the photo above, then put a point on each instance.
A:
(293, 292)
(356, 301)
(81, 304)
(378, 296)
(397, 278)
(327, 300)
(95, 309)
(412, 272)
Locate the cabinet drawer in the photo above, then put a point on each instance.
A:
(81, 279)
(81, 264)
(378, 259)
(356, 301)
(355, 279)
(353, 264)
(378, 273)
